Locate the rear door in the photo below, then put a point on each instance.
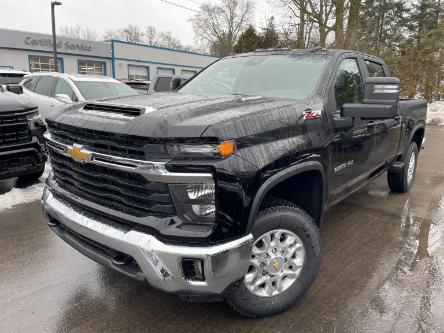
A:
(42, 94)
(385, 133)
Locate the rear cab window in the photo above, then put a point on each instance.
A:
(374, 69)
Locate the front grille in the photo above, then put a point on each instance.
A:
(17, 160)
(14, 128)
(100, 142)
(123, 191)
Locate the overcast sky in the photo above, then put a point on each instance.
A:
(102, 15)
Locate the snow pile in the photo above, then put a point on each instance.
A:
(27, 194)
(435, 113)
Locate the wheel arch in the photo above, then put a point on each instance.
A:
(279, 179)
(417, 136)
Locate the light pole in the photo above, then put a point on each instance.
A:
(54, 41)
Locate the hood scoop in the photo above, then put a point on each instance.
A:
(113, 110)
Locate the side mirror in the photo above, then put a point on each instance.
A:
(176, 83)
(381, 90)
(381, 96)
(63, 98)
(15, 88)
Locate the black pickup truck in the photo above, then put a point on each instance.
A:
(218, 190)
(22, 152)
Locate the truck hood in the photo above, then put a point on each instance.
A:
(13, 102)
(177, 115)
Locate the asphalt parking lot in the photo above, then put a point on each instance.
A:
(382, 271)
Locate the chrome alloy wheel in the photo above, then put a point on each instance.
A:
(411, 169)
(276, 261)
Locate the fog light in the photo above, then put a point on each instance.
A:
(193, 269)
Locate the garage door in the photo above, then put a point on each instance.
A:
(188, 73)
(138, 73)
(165, 71)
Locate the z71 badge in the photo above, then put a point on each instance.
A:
(312, 114)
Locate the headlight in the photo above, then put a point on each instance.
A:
(195, 202)
(221, 150)
(33, 115)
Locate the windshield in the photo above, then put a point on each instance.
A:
(276, 76)
(97, 89)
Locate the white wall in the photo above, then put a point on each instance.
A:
(140, 55)
(20, 61)
(122, 68)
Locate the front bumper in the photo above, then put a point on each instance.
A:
(147, 257)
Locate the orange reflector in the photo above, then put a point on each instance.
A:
(225, 148)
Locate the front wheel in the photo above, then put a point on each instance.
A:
(285, 261)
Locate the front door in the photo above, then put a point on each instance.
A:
(351, 149)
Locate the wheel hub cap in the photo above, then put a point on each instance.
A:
(276, 261)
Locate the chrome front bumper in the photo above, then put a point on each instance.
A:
(160, 263)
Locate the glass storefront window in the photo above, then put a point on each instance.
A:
(43, 64)
(90, 67)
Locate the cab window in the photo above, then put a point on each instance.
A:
(374, 69)
(30, 83)
(348, 83)
(44, 86)
(63, 87)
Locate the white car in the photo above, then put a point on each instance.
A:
(52, 90)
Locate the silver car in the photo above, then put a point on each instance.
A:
(52, 90)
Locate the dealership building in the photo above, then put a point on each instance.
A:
(32, 52)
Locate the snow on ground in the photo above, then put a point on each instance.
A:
(435, 113)
(19, 195)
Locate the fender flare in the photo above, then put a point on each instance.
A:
(280, 177)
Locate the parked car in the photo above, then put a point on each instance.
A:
(142, 87)
(168, 83)
(22, 152)
(10, 76)
(219, 190)
(52, 90)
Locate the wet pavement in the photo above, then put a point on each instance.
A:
(382, 271)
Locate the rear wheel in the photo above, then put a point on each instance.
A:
(402, 180)
(285, 261)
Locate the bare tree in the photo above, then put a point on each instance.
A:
(163, 38)
(76, 31)
(352, 25)
(309, 12)
(220, 25)
(132, 33)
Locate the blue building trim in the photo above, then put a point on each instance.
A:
(7, 66)
(62, 64)
(157, 63)
(159, 48)
(113, 60)
(147, 70)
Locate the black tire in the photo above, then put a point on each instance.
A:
(294, 219)
(33, 176)
(399, 181)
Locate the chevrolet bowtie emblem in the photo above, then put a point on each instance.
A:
(78, 154)
(276, 265)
